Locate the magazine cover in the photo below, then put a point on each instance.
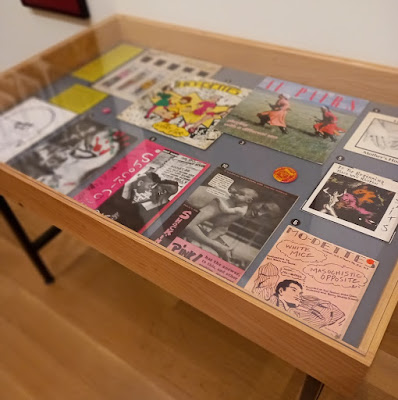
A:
(27, 123)
(225, 222)
(74, 154)
(151, 70)
(292, 118)
(357, 199)
(376, 137)
(142, 185)
(186, 110)
(313, 280)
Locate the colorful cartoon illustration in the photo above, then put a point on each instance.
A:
(186, 110)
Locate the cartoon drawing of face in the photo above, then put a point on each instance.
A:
(291, 294)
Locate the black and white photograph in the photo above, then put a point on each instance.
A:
(70, 156)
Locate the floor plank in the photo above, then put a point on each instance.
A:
(102, 332)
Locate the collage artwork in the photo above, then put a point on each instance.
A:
(210, 211)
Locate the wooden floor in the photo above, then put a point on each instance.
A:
(102, 332)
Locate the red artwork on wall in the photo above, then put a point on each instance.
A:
(78, 8)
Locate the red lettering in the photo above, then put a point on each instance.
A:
(323, 98)
(336, 101)
(313, 95)
(301, 91)
(270, 84)
(279, 86)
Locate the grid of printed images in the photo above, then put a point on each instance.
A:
(218, 217)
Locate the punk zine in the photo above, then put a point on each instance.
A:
(186, 110)
(376, 137)
(73, 155)
(362, 201)
(142, 185)
(225, 222)
(150, 71)
(299, 120)
(27, 123)
(312, 280)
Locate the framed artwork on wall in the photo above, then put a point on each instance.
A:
(77, 8)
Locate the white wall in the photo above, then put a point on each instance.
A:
(25, 31)
(360, 29)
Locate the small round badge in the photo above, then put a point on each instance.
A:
(285, 174)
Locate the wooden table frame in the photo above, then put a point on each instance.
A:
(289, 339)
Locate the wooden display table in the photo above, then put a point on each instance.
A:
(337, 365)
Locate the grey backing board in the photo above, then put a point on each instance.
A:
(258, 163)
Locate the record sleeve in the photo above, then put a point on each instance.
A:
(376, 137)
(186, 110)
(362, 201)
(225, 222)
(142, 185)
(295, 119)
(27, 123)
(313, 281)
(73, 155)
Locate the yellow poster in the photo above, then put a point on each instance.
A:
(107, 62)
(78, 98)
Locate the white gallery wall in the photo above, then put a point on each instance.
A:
(365, 30)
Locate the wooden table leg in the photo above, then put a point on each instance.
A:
(311, 389)
(31, 248)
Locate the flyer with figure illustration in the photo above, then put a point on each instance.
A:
(73, 155)
(27, 123)
(295, 119)
(225, 222)
(313, 280)
(376, 137)
(142, 185)
(186, 110)
(362, 201)
(150, 71)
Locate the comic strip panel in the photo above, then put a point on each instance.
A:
(313, 280)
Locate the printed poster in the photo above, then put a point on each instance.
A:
(312, 280)
(295, 119)
(106, 63)
(376, 137)
(186, 110)
(27, 123)
(150, 71)
(357, 199)
(78, 98)
(142, 185)
(73, 155)
(225, 222)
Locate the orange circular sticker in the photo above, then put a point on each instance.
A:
(285, 174)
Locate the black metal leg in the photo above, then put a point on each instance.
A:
(311, 389)
(30, 247)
